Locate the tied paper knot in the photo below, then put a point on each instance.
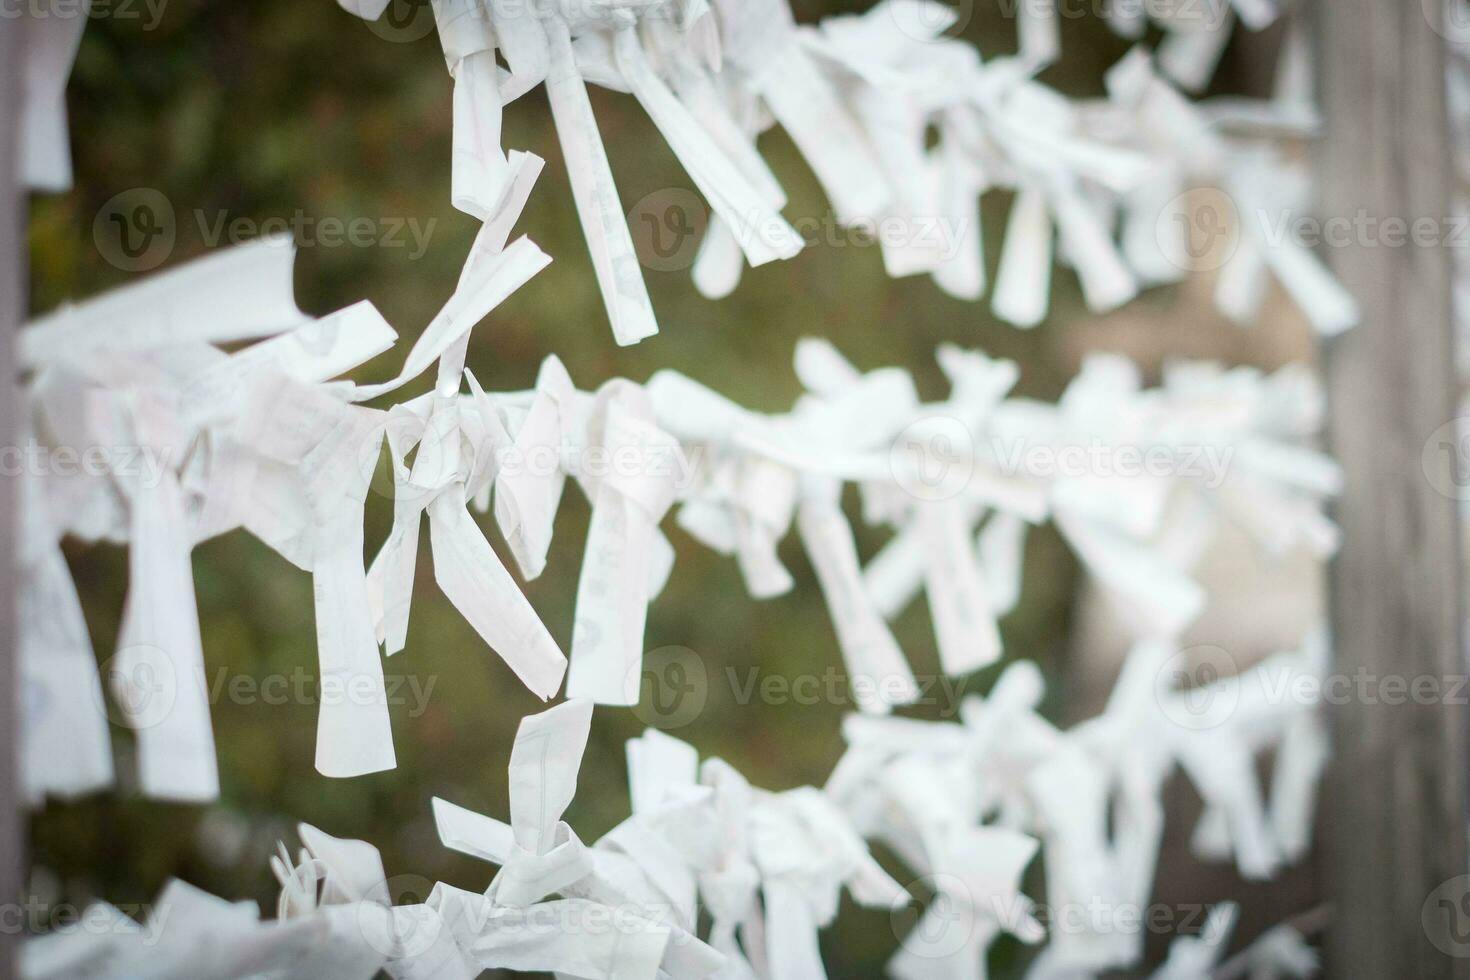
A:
(151, 378)
(965, 802)
(260, 438)
(540, 856)
(1099, 184)
(332, 447)
(627, 557)
(455, 457)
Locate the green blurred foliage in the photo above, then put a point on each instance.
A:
(257, 110)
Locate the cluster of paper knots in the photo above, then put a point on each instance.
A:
(202, 401)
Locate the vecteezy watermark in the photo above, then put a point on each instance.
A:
(1201, 229)
(405, 21)
(309, 231)
(673, 688)
(933, 458)
(144, 682)
(661, 461)
(137, 230)
(1445, 459)
(1198, 230)
(1186, 14)
(675, 685)
(1208, 464)
(1445, 916)
(1099, 916)
(1364, 230)
(948, 921)
(1198, 687)
(1201, 687)
(669, 225)
(34, 916)
(1364, 686)
(148, 12)
(837, 688)
(667, 228)
(545, 922)
(142, 466)
(937, 457)
(146, 686)
(395, 919)
(1450, 19)
(299, 687)
(935, 21)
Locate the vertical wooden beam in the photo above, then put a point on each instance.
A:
(12, 311)
(1395, 807)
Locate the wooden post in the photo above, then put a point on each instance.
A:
(1395, 807)
(12, 312)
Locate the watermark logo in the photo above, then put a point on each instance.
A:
(673, 688)
(145, 687)
(1445, 459)
(149, 12)
(937, 21)
(1445, 917)
(1450, 19)
(1199, 230)
(1182, 14)
(667, 227)
(943, 928)
(1197, 689)
(135, 231)
(141, 466)
(34, 916)
(403, 21)
(933, 459)
(1208, 464)
(413, 928)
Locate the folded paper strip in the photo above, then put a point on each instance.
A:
(197, 442)
(906, 128)
(712, 877)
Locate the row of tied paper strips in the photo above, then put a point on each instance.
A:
(263, 439)
(1100, 183)
(965, 804)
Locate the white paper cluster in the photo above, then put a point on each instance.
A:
(194, 442)
(1101, 186)
(1195, 33)
(202, 401)
(142, 430)
(966, 805)
(1137, 480)
(336, 921)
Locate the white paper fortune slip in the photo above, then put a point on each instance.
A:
(625, 552)
(966, 805)
(859, 95)
(1136, 480)
(107, 378)
(51, 35)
